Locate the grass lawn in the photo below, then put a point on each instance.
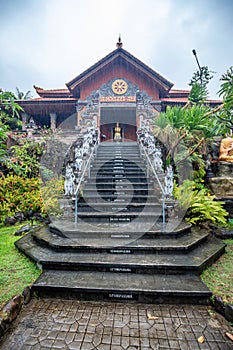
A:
(16, 270)
(219, 276)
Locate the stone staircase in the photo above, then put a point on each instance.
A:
(119, 249)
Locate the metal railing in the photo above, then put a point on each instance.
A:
(143, 150)
(87, 168)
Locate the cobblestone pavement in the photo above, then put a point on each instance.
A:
(68, 324)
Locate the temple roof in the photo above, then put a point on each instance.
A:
(120, 55)
(60, 99)
(52, 93)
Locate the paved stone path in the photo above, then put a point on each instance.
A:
(67, 324)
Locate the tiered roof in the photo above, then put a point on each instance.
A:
(119, 56)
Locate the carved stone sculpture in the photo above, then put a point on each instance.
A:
(169, 182)
(157, 160)
(226, 150)
(69, 181)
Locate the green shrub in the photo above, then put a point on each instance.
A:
(19, 194)
(200, 205)
(51, 192)
(24, 160)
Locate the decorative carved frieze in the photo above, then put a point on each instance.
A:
(106, 94)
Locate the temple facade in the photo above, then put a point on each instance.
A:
(117, 90)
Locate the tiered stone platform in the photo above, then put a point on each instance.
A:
(119, 249)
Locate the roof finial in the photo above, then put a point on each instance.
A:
(119, 43)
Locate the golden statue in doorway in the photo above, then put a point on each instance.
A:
(117, 133)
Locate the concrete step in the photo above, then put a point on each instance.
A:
(118, 162)
(117, 191)
(113, 184)
(85, 285)
(159, 263)
(109, 230)
(125, 174)
(118, 207)
(100, 183)
(118, 177)
(104, 157)
(131, 232)
(120, 217)
(116, 169)
(91, 196)
(117, 245)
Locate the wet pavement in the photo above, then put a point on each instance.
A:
(71, 324)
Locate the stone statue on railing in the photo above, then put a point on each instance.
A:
(166, 177)
(76, 158)
(69, 181)
(157, 160)
(169, 182)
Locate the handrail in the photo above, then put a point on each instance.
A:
(81, 179)
(157, 178)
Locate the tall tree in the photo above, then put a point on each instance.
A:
(199, 83)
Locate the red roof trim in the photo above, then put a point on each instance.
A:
(52, 92)
(174, 91)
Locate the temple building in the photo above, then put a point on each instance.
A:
(117, 89)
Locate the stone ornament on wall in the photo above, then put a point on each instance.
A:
(119, 87)
(129, 92)
(144, 105)
(91, 111)
(117, 84)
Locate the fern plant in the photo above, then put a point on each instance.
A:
(199, 204)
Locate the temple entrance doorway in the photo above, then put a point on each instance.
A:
(118, 124)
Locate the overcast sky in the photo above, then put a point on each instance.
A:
(50, 42)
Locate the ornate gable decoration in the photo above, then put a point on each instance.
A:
(120, 55)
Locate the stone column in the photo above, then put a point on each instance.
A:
(53, 119)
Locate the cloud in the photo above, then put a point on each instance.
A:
(48, 43)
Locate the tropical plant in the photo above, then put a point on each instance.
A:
(51, 192)
(21, 95)
(3, 137)
(187, 133)
(9, 110)
(24, 159)
(200, 206)
(225, 114)
(198, 93)
(19, 194)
